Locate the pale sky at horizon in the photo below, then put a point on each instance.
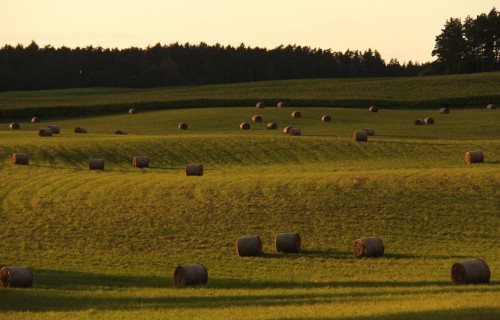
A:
(405, 30)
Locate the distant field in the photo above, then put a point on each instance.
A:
(104, 245)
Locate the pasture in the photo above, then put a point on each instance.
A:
(104, 244)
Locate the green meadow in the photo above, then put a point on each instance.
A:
(104, 244)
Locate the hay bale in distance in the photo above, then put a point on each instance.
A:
(272, 126)
(245, 126)
(419, 122)
(190, 274)
(369, 131)
(474, 157)
(294, 132)
(281, 104)
(182, 126)
(120, 132)
(45, 132)
(444, 110)
(257, 118)
(368, 247)
(16, 277)
(286, 130)
(14, 126)
(248, 246)
(80, 130)
(194, 169)
(326, 118)
(287, 242)
(490, 106)
(140, 162)
(20, 158)
(260, 105)
(470, 272)
(35, 120)
(132, 111)
(296, 114)
(55, 129)
(428, 120)
(96, 164)
(373, 109)
(360, 136)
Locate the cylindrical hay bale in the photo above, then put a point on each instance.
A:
(286, 130)
(272, 126)
(190, 274)
(45, 132)
(140, 162)
(419, 122)
(294, 132)
(368, 247)
(369, 131)
(281, 104)
(360, 136)
(429, 121)
(245, 126)
(257, 118)
(248, 246)
(474, 157)
(35, 120)
(444, 110)
(288, 242)
(373, 109)
(471, 271)
(20, 158)
(120, 132)
(96, 164)
(132, 111)
(14, 126)
(182, 126)
(296, 114)
(260, 105)
(326, 118)
(80, 130)
(194, 169)
(16, 277)
(490, 106)
(55, 129)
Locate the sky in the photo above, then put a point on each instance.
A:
(401, 29)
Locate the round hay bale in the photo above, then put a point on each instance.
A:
(55, 129)
(257, 118)
(80, 130)
(429, 121)
(20, 158)
(360, 136)
(444, 110)
(45, 132)
(294, 132)
(272, 126)
(120, 132)
(194, 169)
(474, 157)
(369, 131)
(182, 126)
(140, 162)
(287, 242)
(286, 130)
(470, 272)
(132, 111)
(373, 109)
(35, 120)
(190, 274)
(419, 122)
(368, 247)
(14, 126)
(296, 114)
(248, 246)
(96, 164)
(490, 106)
(245, 126)
(16, 277)
(281, 104)
(260, 105)
(326, 118)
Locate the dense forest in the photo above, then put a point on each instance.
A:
(472, 46)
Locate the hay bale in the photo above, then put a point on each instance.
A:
(419, 122)
(287, 242)
(55, 129)
(20, 158)
(373, 109)
(272, 126)
(16, 277)
(120, 132)
(294, 132)
(474, 157)
(14, 126)
(444, 110)
(296, 114)
(182, 126)
(281, 104)
(326, 118)
(96, 164)
(286, 130)
(190, 274)
(194, 169)
(470, 272)
(369, 131)
(80, 130)
(140, 162)
(248, 246)
(429, 121)
(360, 136)
(35, 120)
(257, 118)
(132, 111)
(260, 105)
(368, 247)
(45, 132)
(245, 126)
(490, 106)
